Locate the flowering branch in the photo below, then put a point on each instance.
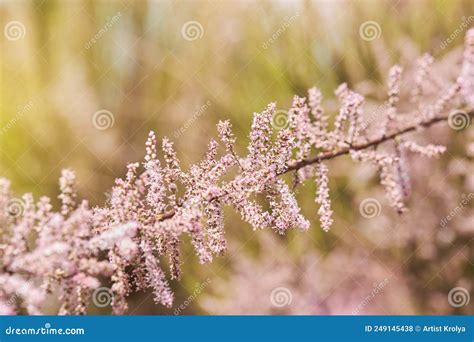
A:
(157, 203)
(347, 150)
(374, 143)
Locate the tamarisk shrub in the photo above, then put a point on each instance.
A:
(70, 252)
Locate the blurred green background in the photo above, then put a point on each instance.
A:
(144, 71)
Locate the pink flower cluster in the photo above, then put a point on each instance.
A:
(69, 252)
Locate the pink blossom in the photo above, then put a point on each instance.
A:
(158, 204)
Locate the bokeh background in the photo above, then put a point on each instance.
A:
(177, 67)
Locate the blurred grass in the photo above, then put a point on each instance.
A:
(144, 72)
